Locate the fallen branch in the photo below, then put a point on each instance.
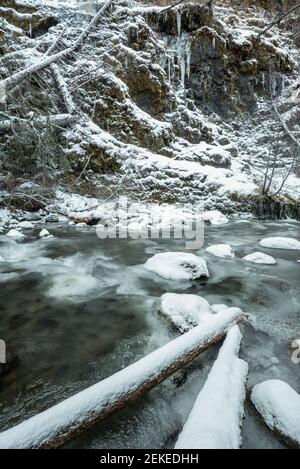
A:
(68, 419)
(274, 23)
(10, 82)
(63, 90)
(59, 120)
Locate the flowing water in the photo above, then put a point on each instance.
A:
(75, 309)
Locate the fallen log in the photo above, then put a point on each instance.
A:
(68, 419)
(216, 418)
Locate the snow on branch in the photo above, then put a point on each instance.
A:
(59, 424)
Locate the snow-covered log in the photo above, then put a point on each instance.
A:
(58, 120)
(59, 424)
(46, 61)
(63, 90)
(215, 420)
(279, 406)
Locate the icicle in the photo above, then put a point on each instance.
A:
(188, 47)
(178, 16)
(30, 28)
(169, 69)
(214, 42)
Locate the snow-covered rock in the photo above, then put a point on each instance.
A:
(178, 266)
(214, 217)
(220, 250)
(281, 243)
(17, 235)
(44, 234)
(52, 218)
(26, 225)
(215, 420)
(185, 311)
(260, 258)
(279, 405)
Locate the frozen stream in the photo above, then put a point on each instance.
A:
(75, 309)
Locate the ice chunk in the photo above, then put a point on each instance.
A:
(178, 266)
(279, 405)
(281, 243)
(215, 420)
(185, 311)
(220, 250)
(260, 258)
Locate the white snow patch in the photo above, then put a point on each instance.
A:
(279, 405)
(220, 250)
(215, 420)
(260, 258)
(178, 266)
(281, 243)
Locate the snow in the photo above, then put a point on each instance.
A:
(44, 233)
(220, 250)
(17, 235)
(26, 225)
(216, 417)
(178, 266)
(281, 243)
(214, 217)
(185, 311)
(260, 258)
(218, 307)
(279, 405)
(82, 407)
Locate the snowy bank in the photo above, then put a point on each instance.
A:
(281, 243)
(57, 425)
(178, 266)
(215, 420)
